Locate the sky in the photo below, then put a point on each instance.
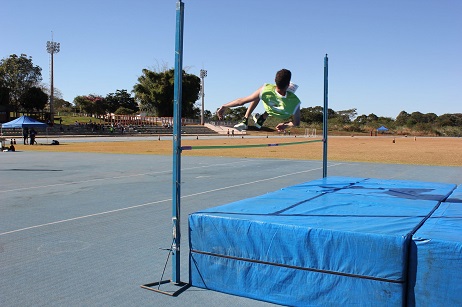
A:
(384, 56)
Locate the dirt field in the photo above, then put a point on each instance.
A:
(404, 150)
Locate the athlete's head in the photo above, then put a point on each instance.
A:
(283, 78)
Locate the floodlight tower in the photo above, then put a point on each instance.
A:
(203, 75)
(52, 48)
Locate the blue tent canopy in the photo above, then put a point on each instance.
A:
(23, 122)
(382, 128)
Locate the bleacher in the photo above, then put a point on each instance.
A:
(105, 130)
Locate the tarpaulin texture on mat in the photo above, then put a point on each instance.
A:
(337, 240)
(435, 277)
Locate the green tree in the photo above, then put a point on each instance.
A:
(402, 118)
(411, 122)
(154, 90)
(311, 114)
(121, 99)
(315, 115)
(207, 114)
(361, 120)
(91, 104)
(372, 118)
(450, 120)
(417, 117)
(233, 114)
(430, 117)
(62, 105)
(33, 99)
(4, 97)
(123, 111)
(59, 104)
(346, 116)
(385, 121)
(18, 74)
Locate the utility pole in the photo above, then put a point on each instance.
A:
(52, 48)
(203, 75)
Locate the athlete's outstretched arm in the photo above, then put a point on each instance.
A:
(254, 98)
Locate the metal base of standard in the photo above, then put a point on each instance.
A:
(173, 289)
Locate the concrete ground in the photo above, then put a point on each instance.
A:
(86, 229)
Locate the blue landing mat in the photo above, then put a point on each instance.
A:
(436, 257)
(336, 240)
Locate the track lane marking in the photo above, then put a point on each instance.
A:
(161, 201)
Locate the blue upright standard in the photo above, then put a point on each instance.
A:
(332, 241)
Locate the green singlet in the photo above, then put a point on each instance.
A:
(277, 105)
